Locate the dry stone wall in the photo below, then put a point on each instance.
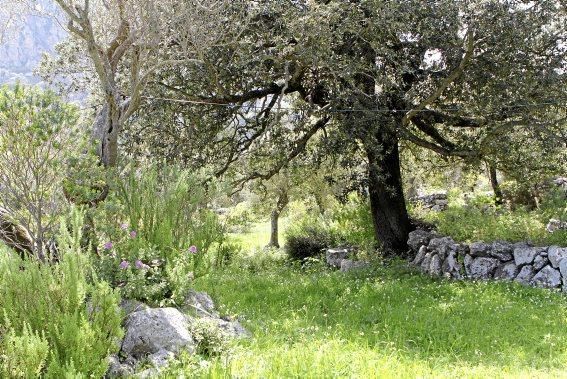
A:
(437, 255)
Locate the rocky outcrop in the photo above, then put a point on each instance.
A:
(544, 267)
(154, 336)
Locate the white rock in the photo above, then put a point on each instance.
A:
(548, 277)
(482, 267)
(525, 255)
(152, 330)
(556, 254)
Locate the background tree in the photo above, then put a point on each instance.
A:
(38, 133)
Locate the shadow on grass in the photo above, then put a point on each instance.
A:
(394, 309)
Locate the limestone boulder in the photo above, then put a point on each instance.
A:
(483, 268)
(556, 254)
(547, 277)
(150, 331)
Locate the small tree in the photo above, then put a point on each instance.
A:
(37, 133)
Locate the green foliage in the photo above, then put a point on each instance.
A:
(211, 340)
(68, 321)
(158, 235)
(343, 224)
(38, 133)
(478, 220)
(308, 238)
(24, 356)
(390, 323)
(352, 222)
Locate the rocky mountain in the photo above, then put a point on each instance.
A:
(22, 50)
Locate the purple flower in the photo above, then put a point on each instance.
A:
(133, 234)
(124, 226)
(141, 265)
(108, 245)
(124, 265)
(193, 249)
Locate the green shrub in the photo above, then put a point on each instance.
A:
(307, 241)
(158, 235)
(60, 306)
(210, 339)
(25, 355)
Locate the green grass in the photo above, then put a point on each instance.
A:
(389, 322)
(470, 224)
(259, 235)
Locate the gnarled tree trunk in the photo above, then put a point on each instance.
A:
(15, 236)
(387, 203)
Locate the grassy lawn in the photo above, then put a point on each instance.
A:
(388, 322)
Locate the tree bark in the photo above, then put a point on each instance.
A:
(283, 200)
(387, 203)
(105, 134)
(492, 174)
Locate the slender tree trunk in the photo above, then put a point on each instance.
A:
(283, 200)
(274, 231)
(387, 204)
(498, 196)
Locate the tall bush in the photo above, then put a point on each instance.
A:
(58, 320)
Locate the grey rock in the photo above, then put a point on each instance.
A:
(525, 255)
(506, 271)
(554, 225)
(525, 276)
(563, 270)
(556, 254)
(435, 265)
(426, 263)
(501, 250)
(161, 358)
(419, 238)
(335, 256)
(548, 277)
(349, 265)
(116, 369)
(539, 262)
(151, 330)
(419, 256)
(451, 267)
(479, 249)
(483, 267)
(442, 245)
(131, 306)
(467, 262)
(199, 303)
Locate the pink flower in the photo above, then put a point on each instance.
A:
(124, 265)
(124, 226)
(141, 265)
(193, 249)
(133, 234)
(108, 245)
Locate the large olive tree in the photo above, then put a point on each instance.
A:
(460, 78)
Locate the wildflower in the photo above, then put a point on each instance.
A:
(193, 249)
(124, 226)
(141, 265)
(133, 234)
(108, 245)
(124, 265)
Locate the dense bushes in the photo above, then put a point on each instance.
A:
(348, 224)
(57, 319)
(478, 219)
(158, 234)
